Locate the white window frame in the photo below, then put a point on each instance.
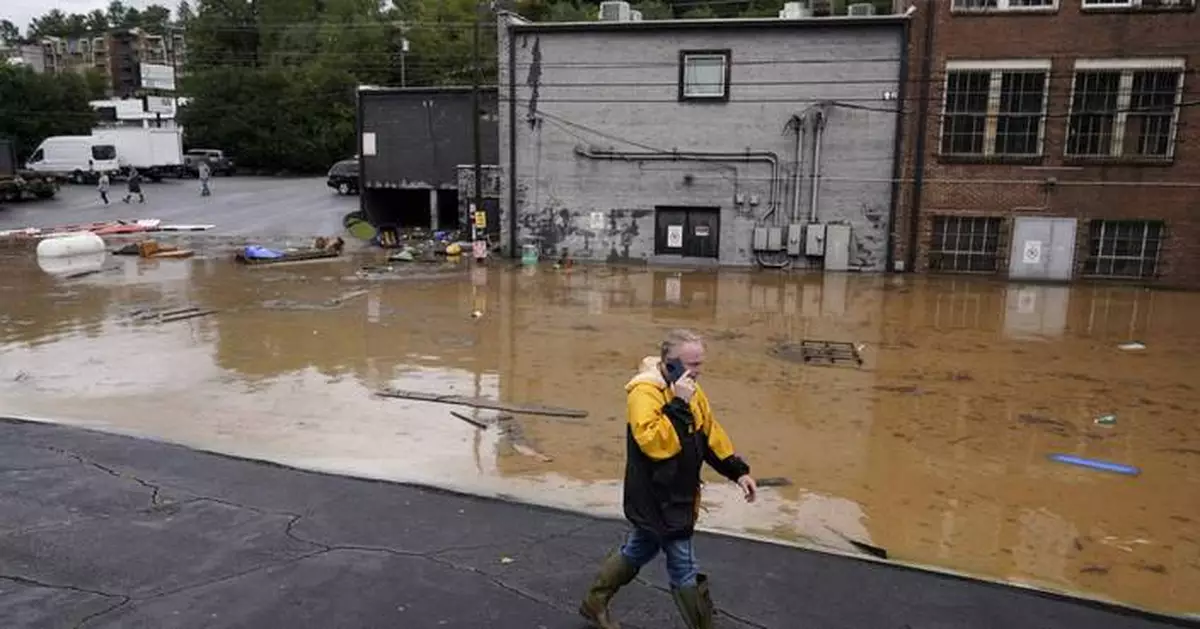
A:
(1124, 95)
(1004, 6)
(687, 57)
(997, 67)
(1123, 5)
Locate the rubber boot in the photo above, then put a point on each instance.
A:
(695, 604)
(615, 573)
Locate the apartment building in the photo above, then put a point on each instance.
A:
(117, 55)
(1052, 140)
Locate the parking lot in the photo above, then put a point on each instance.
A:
(239, 206)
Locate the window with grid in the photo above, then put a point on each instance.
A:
(704, 75)
(1127, 249)
(994, 112)
(1004, 5)
(1125, 112)
(965, 244)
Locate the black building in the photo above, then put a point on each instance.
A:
(411, 143)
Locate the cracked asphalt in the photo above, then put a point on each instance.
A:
(100, 530)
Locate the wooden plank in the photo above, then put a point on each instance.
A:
(475, 402)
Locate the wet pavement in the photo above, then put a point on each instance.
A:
(935, 447)
(104, 531)
(238, 206)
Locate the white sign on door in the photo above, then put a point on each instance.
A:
(368, 144)
(674, 236)
(597, 220)
(1032, 253)
(674, 289)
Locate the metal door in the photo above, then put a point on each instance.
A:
(669, 228)
(701, 236)
(1042, 249)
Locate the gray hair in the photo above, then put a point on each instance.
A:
(675, 338)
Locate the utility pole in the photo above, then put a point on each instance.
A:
(477, 204)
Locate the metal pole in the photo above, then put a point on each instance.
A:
(477, 205)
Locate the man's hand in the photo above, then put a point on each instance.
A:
(685, 387)
(749, 487)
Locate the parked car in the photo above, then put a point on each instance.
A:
(218, 162)
(343, 176)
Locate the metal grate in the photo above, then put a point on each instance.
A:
(1117, 113)
(965, 244)
(824, 353)
(1124, 249)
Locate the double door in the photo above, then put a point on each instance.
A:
(690, 232)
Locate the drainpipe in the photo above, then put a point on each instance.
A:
(898, 147)
(766, 157)
(512, 141)
(818, 136)
(798, 122)
(914, 211)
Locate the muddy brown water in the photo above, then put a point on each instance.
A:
(935, 448)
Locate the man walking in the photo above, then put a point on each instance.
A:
(204, 173)
(134, 186)
(670, 432)
(102, 185)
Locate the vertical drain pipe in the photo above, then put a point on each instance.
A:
(818, 135)
(798, 121)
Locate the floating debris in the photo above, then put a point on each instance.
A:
(478, 402)
(168, 315)
(1106, 420)
(829, 353)
(1132, 346)
(1096, 464)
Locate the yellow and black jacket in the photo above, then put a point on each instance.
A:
(667, 440)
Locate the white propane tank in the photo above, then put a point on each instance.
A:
(73, 265)
(72, 244)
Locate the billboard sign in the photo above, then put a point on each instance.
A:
(158, 77)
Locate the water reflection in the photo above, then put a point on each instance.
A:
(934, 449)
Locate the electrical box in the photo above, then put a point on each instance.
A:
(837, 247)
(774, 239)
(814, 239)
(795, 239)
(760, 239)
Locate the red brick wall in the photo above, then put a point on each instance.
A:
(1063, 36)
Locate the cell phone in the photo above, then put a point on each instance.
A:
(675, 370)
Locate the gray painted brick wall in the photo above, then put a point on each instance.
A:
(618, 90)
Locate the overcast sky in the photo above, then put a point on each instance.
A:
(21, 12)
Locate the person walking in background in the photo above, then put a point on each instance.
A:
(134, 187)
(204, 173)
(102, 186)
(670, 432)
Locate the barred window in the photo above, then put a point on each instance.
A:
(1123, 249)
(965, 244)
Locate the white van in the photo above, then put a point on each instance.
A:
(80, 158)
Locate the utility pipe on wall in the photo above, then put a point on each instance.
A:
(798, 122)
(818, 136)
(766, 157)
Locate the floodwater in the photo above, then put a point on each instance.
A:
(935, 447)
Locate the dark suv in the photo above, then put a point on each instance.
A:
(343, 176)
(218, 162)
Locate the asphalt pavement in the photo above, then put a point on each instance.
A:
(101, 530)
(239, 206)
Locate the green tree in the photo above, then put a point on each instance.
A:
(52, 24)
(9, 33)
(35, 106)
(155, 19)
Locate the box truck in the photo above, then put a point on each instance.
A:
(155, 152)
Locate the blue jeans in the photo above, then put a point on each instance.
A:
(641, 546)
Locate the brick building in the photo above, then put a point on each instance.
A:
(1052, 139)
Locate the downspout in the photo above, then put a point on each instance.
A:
(818, 136)
(798, 121)
(898, 147)
(914, 213)
(766, 157)
(358, 145)
(512, 142)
